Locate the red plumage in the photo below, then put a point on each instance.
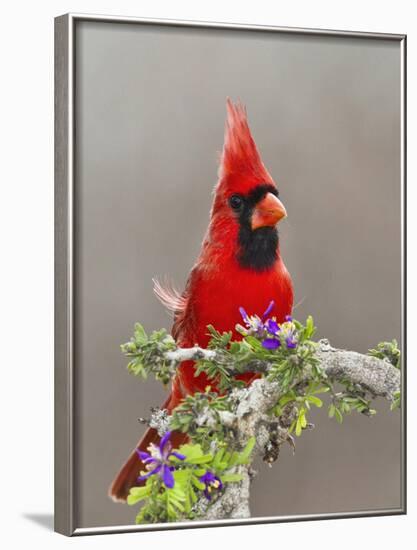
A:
(230, 272)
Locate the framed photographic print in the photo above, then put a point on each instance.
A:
(230, 274)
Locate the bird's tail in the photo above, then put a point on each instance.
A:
(129, 472)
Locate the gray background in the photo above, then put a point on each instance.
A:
(150, 110)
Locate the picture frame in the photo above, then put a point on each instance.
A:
(67, 262)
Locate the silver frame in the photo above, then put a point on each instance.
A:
(64, 272)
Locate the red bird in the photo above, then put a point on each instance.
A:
(240, 265)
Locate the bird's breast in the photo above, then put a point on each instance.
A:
(222, 292)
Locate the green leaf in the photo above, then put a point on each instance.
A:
(234, 347)
(287, 398)
(190, 451)
(140, 334)
(310, 328)
(137, 494)
(226, 478)
(245, 454)
(303, 418)
(338, 415)
(202, 459)
(254, 343)
(298, 427)
(388, 350)
(197, 483)
(396, 402)
(315, 400)
(345, 407)
(322, 389)
(234, 459)
(217, 458)
(175, 500)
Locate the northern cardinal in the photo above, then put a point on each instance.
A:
(239, 265)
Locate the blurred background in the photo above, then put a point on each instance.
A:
(150, 110)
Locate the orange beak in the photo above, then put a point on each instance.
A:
(268, 212)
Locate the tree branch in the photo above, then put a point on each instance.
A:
(374, 375)
(251, 405)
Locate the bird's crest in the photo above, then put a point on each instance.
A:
(241, 164)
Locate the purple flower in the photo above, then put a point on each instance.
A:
(244, 315)
(268, 330)
(272, 327)
(268, 309)
(291, 343)
(157, 461)
(271, 343)
(211, 482)
(254, 325)
(278, 333)
(289, 333)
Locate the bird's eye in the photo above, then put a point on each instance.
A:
(236, 202)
